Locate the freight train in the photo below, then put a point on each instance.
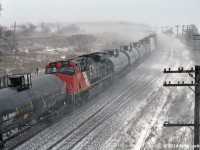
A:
(65, 83)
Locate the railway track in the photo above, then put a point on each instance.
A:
(88, 126)
(93, 116)
(93, 104)
(26, 135)
(69, 134)
(147, 132)
(124, 126)
(88, 144)
(28, 132)
(46, 135)
(138, 119)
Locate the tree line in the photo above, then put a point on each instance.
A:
(9, 38)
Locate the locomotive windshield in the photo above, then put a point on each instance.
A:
(67, 70)
(51, 70)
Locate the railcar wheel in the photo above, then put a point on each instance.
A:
(1, 145)
(85, 96)
(106, 84)
(1, 141)
(8, 134)
(78, 101)
(112, 79)
(19, 128)
(54, 116)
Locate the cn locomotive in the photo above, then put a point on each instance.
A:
(23, 100)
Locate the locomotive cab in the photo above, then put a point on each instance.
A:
(69, 73)
(67, 69)
(72, 73)
(52, 68)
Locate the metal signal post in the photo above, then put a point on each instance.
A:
(196, 84)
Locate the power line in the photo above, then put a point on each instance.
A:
(196, 84)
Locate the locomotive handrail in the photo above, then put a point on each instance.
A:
(71, 90)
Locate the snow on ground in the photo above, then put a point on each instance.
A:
(136, 139)
(130, 114)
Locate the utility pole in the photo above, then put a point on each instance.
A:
(14, 36)
(1, 8)
(196, 84)
(42, 26)
(196, 37)
(185, 30)
(14, 30)
(164, 29)
(177, 30)
(58, 28)
(181, 30)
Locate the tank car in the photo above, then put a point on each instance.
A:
(118, 60)
(132, 52)
(23, 101)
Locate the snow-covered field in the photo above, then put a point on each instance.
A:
(130, 114)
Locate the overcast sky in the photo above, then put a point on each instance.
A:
(153, 12)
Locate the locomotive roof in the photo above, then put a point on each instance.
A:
(94, 54)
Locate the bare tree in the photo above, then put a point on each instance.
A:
(68, 30)
(82, 42)
(5, 39)
(46, 31)
(192, 30)
(27, 30)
